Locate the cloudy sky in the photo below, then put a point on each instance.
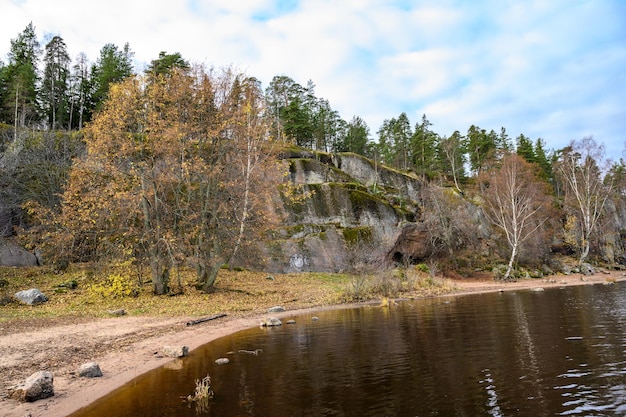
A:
(554, 69)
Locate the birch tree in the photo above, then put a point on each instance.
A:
(515, 202)
(579, 169)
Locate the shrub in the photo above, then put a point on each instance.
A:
(115, 286)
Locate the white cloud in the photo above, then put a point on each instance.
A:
(546, 69)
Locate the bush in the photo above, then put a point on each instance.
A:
(115, 286)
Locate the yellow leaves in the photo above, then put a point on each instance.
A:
(114, 286)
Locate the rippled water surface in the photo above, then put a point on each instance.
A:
(558, 352)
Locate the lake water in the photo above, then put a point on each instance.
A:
(558, 352)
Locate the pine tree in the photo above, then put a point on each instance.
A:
(20, 79)
(112, 66)
(423, 148)
(525, 149)
(55, 83)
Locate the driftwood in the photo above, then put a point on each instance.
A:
(205, 319)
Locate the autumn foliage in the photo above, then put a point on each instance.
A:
(178, 169)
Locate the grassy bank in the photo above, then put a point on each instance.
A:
(85, 291)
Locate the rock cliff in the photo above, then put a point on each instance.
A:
(351, 202)
(355, 208)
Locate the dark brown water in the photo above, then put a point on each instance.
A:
(558, 352)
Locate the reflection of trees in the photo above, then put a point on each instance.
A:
(490, 354)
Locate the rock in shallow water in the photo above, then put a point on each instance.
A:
(271, 321)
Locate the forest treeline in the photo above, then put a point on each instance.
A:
(181, 162)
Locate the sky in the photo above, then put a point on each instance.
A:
(550, 69)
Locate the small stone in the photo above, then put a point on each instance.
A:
(222, 361)
(315, 318)
(175, 351)
(36, 387)
(90, 370)
(291, 321)
(537, 289)
(117, 313)
(276, 309)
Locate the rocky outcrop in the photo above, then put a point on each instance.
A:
(36, 387)
(350, 201)
(351, 205)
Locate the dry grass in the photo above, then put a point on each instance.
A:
(237, 293)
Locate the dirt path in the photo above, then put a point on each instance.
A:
(126, 347)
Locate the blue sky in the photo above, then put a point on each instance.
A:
(554, 69)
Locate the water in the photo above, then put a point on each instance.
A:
(558, 352)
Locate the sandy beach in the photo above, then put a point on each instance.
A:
(126, 347)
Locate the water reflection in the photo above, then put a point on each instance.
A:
(558, 352)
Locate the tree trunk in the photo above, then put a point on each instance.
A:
(160, 276)
(509, 267)
(206, 277)
(585, 250)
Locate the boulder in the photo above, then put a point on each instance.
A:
(31, 297)
(13, 255)
(36, 387)
(90, 370)
(222, 361)
(276, 309)
(175, 351)
(587, 269)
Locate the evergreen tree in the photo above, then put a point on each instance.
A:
(481, 148)
(525, 149)
(394, 139)
(55, 83)
(165, 63)
(112, 66)
(423, 148)
(20, 79)
(355, 138)
(327, 126)
(286, 100)
(544, 162)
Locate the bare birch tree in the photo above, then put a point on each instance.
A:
(515, 199)
(579, 169)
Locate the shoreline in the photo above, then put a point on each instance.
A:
(143, 355)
